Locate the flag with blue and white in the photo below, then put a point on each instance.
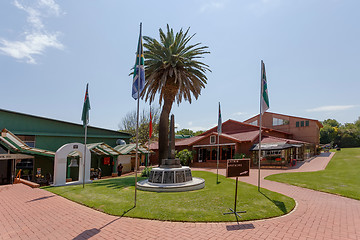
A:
(139, 70)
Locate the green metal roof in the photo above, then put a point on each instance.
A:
(131, 148)
(101, 149)
(14, 143)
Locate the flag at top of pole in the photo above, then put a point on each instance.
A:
(139, 70)
(264, 90)
(86, 107)
(219, 129)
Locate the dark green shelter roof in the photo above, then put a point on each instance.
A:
(26, 124)
(15, 144)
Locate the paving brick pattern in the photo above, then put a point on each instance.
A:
(27, 213)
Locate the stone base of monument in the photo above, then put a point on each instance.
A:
(171, 177)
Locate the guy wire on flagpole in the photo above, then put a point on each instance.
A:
(260, 123)
(137, 114)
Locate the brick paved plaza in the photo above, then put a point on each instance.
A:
(27, 213)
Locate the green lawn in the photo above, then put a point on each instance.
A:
(341, 176)
(116, 197)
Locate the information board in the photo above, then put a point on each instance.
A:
(238, 167)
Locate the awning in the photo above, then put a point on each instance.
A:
(15, 144)
(100, 148)
(272, 146)
(131, 149)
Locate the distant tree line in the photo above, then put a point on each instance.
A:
(342, 135)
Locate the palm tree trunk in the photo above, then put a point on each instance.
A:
(164, 130)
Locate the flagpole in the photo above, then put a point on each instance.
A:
(217, 159)
(150, 133)
(137, 116)
(260, 124)
(85, 119)
(84, 155)
(218, 145)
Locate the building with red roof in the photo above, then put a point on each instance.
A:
(295, 138)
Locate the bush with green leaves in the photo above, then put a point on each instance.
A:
(185, 157)
(239, 156)
(146, 172)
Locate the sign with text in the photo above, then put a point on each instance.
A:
(238, 167)
(15, 156)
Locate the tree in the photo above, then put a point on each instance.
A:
(198, 132)
(128, 124)
(331, 122)
(185, 131)
(173, 70)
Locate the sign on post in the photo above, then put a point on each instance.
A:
(238, 167)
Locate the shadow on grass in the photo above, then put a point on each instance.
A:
(116, 183)
(89, 233)
(279, 204)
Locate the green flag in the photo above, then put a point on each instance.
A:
(264, 90)
(86, 108)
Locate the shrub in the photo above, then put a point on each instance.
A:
(239, 156)
(146, 172)
(185, 157)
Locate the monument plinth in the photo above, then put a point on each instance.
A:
(171, 176)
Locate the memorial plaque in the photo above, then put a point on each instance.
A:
(188, 176)
(157, 177)
(238, 168)
(168, 177)
(180, 176)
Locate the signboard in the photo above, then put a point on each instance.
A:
(238, 167)
(106, 160)
(15, 156)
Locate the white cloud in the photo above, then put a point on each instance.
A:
(331, 108)
(212, 5)
(36, 39)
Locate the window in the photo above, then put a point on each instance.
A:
(279, 122)
(28, 139)
(255, 123)
(307, 123)
(297, 124)
(302, 123)
(212, 139)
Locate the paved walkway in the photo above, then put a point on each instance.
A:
(27, 213)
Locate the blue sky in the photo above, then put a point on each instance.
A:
(50, 49)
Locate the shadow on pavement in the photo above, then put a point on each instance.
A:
(240, 227)
(41, 198)
(92, 232)
(87, 234)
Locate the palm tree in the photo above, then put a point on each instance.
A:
(174, 71)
